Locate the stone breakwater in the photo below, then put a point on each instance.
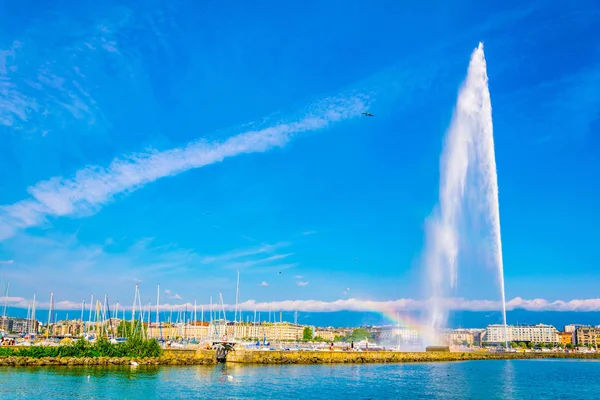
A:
(335, 357)
(169, 357)
(208, 357)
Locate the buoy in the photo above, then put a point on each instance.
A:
(229, 377)
(134, 364)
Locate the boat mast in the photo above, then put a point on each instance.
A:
(211, 319)
(237, 299)
(149, 312)
(91, 308)
(6, 299)
(158, 311)
(49, 315)
(33, 313)
(133, 308)
(82, 311)
(223, 309)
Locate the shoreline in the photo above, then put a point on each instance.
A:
(208, 357)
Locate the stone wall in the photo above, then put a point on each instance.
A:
(346, 357)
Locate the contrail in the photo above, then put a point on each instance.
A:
(95, 186)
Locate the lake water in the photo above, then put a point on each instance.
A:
(494, 379)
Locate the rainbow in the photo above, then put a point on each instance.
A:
(403, 320)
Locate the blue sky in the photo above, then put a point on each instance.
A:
(146, 142)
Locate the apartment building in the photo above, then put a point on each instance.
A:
(457, 336)
(566, 338)
(540, 333)
(586, 336)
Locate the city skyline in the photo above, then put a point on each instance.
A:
(144, 146)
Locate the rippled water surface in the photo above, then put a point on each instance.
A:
(510, 379)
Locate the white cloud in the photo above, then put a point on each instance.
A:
(414, 305)
(171, 295)
(250, 263)
(359, 305)
(306, 233)
(243, 253)
(6, 261)
(298, 277)
(303, 283)
(94, 186)
(263, 283)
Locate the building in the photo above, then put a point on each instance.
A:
(6, 324)
(478, 336)
(457, 337)
(540, 333)
(327, 334)
(571, 328)
(565, 338)
(586, 336)
(393, 333)
(278, 331)
(24, 325)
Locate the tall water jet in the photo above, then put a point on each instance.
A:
(467, 162)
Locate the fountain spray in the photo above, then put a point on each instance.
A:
(468, 152)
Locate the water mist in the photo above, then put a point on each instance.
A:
(467, 165)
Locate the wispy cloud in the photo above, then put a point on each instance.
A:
(260, 261)
(94, 186)
(301, 283)
(6, 261)
(62, 261)
(242, 253)
(298, 277)
(306, 233)
(275, 268)
(263, 283)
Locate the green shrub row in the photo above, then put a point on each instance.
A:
(134, 347)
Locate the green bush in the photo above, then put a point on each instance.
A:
(134, 347)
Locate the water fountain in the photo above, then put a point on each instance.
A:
(467, 165)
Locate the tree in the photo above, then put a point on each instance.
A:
(530, 345)
(360, 334)
(514, 345)
(307, 334)
(485, 344)
(550, 345)
(523, 345)
(570, 346)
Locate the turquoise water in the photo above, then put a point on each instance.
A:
(515, 379)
